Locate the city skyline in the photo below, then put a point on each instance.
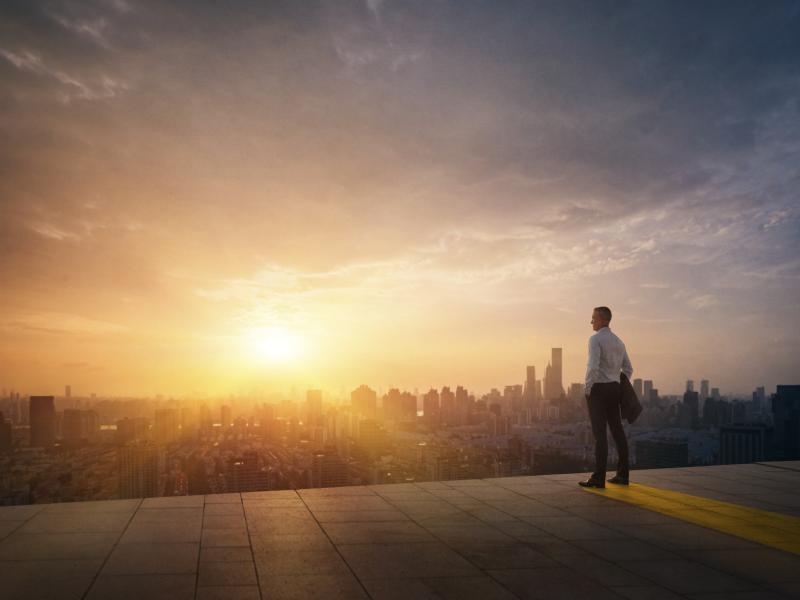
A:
(199, 200)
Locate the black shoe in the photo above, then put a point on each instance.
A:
(593, 483)
(618, 480)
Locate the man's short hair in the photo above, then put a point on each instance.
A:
(604, 312)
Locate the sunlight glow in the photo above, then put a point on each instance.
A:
(274, 344)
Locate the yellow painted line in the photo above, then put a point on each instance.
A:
(761, 526)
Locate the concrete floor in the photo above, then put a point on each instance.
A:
(521, 537)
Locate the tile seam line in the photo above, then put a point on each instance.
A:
(790, 469)
(199, 547)
(335, 547)
(249, 542)
(110, 552)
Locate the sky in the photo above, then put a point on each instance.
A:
(206, 197)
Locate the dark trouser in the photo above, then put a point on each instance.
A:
(604, 410)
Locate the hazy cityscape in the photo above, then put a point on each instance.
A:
(77, 447)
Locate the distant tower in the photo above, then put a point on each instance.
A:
(68, 391)
(140, 470)
(637, 387)
(166, 426)
(43, 421)
(704, 389)
(364, 401)
(226, 416)
(689, 385)
(648, 389)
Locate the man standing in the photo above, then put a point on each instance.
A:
(607, 359)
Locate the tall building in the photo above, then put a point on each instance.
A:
(637, 387)
(165, 426)
(530, 384)
(659, 454)
(68, 391)
(554, 385)
(247, 474)
(140, 470)
(226, 416)
(689, 410)
(314, 408)
(704, 391)
(786, 415)
(131, 429)
(6, 437)
(328, 469)
(364, 401)
(689, 385)
(647, 392)
(43, 421)
(430, 403)
(79, 426)
(740, 444)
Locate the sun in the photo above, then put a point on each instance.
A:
(274, 344)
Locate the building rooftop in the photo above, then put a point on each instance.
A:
(704, 532)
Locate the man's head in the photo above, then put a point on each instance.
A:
(601, 317)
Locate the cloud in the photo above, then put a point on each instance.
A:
(73, 88)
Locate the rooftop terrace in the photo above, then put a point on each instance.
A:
(707, 532)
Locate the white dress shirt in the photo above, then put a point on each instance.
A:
(607, 357)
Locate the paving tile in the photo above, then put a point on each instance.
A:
(550, 545)
(225, 553)
(166, 532)
(229, 592)
(355, 516)
(752, 595)
(687, 536)
(461, 533)
(373, 502)
(221, 508)
(387, 532)
(370, 561)
(279, 502)
(624, 550)
(299, 562)
(347, 491)
(316, 540)
(504, 556)
(763, 565)
(8, 527)
(602, 571)
(551, 584)
(87, 522)
(20, 513)
(272, 494)
(102, 506)
(136, 587)
(172, 515)
(147, 559)
(686, 577)
(232, 498)
(227, 573)
(488, 514)
(449, 588)
(47, 579)
(225, 537)
(572, 528)
(47, 546)
(313, 587)
(646, 592)
(527, 508)
(174, 502)
(224, 521)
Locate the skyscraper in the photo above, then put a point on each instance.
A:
(689, 385)
(704, 391)
(364, 401)
(637, 387)
(556, 381)
(140, 468)
(165, 426)
(786, 411)
(226, 416)
(648, 390)
(43, 421)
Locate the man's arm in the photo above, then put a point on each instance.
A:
(627, 368)
(593, 365)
